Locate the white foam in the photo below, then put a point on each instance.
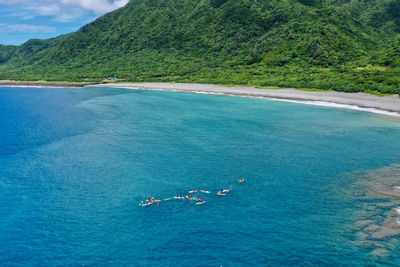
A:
(24, 86)
(41, 86)
(307, 102)
(337, 105)
(397, 210)
(396, 187)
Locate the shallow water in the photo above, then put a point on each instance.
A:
(74, 163)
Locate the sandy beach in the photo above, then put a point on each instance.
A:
(388, 105)
(42, 84)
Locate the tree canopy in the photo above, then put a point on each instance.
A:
(347, 45)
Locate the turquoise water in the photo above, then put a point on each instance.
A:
(74, 163)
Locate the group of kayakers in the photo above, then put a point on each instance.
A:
(199, 201)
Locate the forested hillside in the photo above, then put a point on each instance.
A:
(6, 52)
(346, 45)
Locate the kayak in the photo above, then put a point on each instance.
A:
(166, 199)
(241, 180)
(226, 190)
(205, 191)
(146, 204)
(155, 201)
(201, 202)
(188, 197)
(193, 191)
(221, 194)
(179, 197)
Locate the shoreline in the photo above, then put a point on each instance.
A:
(385, 105)
(44, 84)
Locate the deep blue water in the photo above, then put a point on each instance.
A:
(74, 163)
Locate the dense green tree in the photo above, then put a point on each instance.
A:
(348, 45)
(310, 2)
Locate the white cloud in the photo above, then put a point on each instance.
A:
(13, 1)
(97, 6)
(70, 15)
(21, 20)
(57, 12)
(49, 10)
(25, 28)
(64, 10)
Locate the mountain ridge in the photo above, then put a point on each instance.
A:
(291, 43)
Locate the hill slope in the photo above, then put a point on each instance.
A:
(332, 44)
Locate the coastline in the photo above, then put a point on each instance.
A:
(44, 84)
(386, 105)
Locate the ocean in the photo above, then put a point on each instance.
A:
(322, 184)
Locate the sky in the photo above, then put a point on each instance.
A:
(21, 20)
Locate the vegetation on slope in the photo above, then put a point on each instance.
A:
(6, 52)
(347, 45)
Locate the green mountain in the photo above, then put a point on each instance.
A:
(347, 45)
